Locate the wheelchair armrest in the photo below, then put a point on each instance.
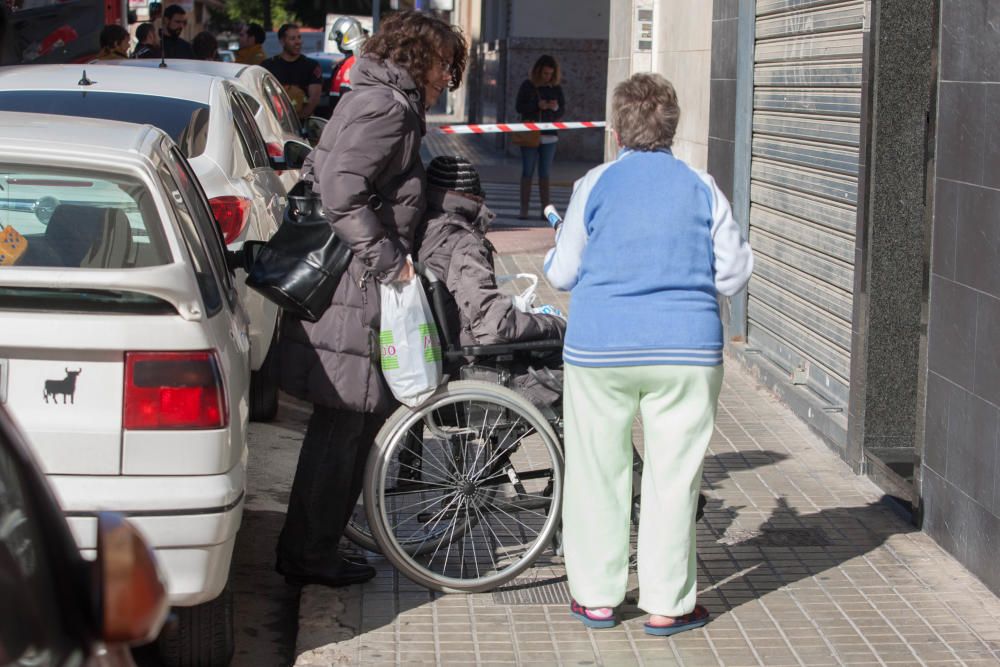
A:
(511, 348)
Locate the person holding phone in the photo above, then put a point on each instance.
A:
(648, 246)
(540, 99)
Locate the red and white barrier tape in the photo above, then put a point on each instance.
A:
(515, 127)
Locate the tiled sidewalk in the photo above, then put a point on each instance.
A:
(799, 563)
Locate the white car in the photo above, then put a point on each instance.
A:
(124, 351)
(269, 103)
(210, 121)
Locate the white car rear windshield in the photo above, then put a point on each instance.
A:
(77, 219)
(185, 121)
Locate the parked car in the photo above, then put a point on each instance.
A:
(124, 351)
(59, 609)
(276, 118)
(212, 124)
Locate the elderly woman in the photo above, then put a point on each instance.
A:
(647, 246)
(366, 168)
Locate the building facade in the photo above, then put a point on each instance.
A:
(856, 140)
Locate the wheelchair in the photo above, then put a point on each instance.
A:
(463, 492)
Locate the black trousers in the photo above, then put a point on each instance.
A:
(328, 480)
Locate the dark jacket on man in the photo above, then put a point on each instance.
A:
(454, 246)
(146, 51)
(367, 170)
(175, 47)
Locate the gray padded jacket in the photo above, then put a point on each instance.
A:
(367, 170)
(455, 247)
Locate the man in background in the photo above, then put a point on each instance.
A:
(301, 76)
(251, 51)
(205, 46)
(148, 39)
(174, 22)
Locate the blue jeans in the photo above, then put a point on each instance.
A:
(543, 154)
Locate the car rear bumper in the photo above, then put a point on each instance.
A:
(191, 522)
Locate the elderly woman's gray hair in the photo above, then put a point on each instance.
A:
(645, 113)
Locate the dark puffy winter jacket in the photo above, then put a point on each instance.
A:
(367, 170)
(455, 247)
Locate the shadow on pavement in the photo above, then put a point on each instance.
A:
(738, 563)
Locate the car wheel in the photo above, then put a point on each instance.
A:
(264, 388)
(202, 635)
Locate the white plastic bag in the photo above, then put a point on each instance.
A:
(526, 299)
(411, 348)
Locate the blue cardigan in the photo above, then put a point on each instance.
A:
(647, 245)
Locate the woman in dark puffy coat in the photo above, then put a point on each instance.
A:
(367, 170)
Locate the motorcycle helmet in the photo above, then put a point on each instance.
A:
(348, 34)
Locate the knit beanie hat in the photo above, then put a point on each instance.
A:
(454, 172)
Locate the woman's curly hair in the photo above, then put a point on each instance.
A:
(415, 40)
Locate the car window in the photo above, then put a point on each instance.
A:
(76, 218)
(281, 106)
(208, 228)
(185, 121)
(252, 104)
(246, 127)
(32, 630)
(208, 285)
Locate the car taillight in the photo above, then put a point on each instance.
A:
(174, 390)
(232, 213)
(277, 152)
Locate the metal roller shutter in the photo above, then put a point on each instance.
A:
(804, 186)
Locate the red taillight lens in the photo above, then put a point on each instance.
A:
(232, 213)
(276, 152)
(174, 390)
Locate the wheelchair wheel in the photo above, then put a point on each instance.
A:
(464, 492)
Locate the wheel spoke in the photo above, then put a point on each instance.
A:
(502, 452)
(426, 505)
(437, 463)
(512, 517)
(440, 515)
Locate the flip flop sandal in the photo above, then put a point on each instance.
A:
(695, 619)
(591, 620)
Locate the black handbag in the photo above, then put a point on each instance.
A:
(300, 267)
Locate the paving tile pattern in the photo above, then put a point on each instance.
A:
(798, 561)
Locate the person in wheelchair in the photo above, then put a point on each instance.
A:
(452, 243)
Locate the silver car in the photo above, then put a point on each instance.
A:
(210, 121)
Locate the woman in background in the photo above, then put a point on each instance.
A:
(540, 99)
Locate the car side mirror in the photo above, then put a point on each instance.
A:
(132, 592)
(295, 155)
(313, 129)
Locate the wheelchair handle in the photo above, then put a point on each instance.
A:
(435, 289)
(425, 272)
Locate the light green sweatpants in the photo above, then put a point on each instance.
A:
(678, 405)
